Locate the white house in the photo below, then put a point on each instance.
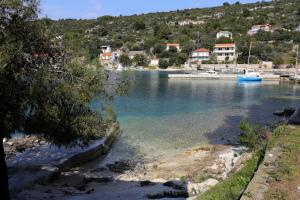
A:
(105, 57)
(169, 45)
(154, 62)
(225, 51)
(261, 27)
(201, 54)
(226, 34)
(106, 49)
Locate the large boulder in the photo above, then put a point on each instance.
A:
(295, 118)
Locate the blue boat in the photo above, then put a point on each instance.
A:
(249, 75)
(248, 78)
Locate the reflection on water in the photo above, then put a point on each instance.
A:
(162, 116)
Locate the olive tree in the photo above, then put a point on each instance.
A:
(40, 93)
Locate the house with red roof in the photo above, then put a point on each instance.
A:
(200, 54)
(260, 27)
(176, 45)
(225, 52)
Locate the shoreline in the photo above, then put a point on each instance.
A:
(189, 174)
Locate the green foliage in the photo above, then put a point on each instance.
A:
(223, 40)
(125, 60)
(148, 31)
(40, 91)
(234, 185)
(252, 136)
(140, 60)
(139, 25)
(163, 64)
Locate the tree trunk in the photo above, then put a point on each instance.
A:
(4, 191)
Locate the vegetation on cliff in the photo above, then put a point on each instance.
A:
(149, 31)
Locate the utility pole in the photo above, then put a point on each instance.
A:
(297, 55)
(197, 47)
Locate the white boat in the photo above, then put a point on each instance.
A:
(208, 72)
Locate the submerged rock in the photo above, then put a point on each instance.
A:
(175, 185)
(169, 194)
(121, 166)
(147, 183)
(287, 112)
(295, 118)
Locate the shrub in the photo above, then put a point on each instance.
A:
(252, 136)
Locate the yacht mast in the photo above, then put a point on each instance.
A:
(249, 53)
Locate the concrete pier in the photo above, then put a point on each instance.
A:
(266, 77)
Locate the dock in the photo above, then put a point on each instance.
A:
(266, 77)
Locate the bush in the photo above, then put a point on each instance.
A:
(163, 64)
(252, 136)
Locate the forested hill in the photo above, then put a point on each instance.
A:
(149, 31)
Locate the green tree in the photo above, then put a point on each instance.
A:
(140, 60)
(39, 94)
(246, 12)
(223, 40)
(226, 4)
(173, 49)
(125, 60)
(163, 63)
(139, 25)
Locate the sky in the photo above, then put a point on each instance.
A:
(90, 9)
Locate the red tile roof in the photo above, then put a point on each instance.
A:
(172, 44)
(201, 50)
(225, 45)
(106, 54)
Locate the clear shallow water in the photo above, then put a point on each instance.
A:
(160, 116)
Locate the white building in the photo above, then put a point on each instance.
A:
(298, 28)
(226, 34)
(201, 54)
(225, 52)
(262, 27)
(106, 49)
(154, 62)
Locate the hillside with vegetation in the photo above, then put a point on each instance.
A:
(149, 31)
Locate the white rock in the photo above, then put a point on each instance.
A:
(10, 143)
(199, 188)
(5, 139)
(270, 155)
(298, 189)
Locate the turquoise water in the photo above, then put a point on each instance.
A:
(160, 116)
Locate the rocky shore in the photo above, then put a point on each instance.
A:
(18, 145)
(188, 174)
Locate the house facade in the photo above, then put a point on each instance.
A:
(263, 27)
(201, 54)
(176, 45)
(225, 52)
(154, 62)
(226, 34)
